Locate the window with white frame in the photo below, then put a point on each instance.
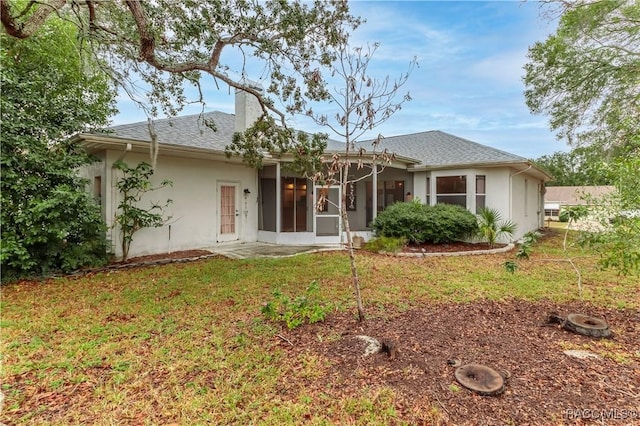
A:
(452, 190)
(428, 195)
(481, 192)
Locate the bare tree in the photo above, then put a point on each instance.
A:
(362, 104)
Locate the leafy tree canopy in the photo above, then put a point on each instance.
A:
(167, 43)
(586, 76)
(49, 92)
(578, 167)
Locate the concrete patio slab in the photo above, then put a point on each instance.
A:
(256, 249)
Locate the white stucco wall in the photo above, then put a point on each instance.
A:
(526, 207)
(194, 211)
(505, 191)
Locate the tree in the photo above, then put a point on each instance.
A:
(586, 76)
(362, 104)
(580, 166)
(617, 238)
(131, 217)
(168, 44)
(49, 92)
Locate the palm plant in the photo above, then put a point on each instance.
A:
(491, 226)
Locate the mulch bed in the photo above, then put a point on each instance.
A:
(449, 247)
(546, 386)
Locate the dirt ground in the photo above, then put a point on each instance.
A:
(546, 386)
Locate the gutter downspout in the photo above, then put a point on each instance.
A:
(511, 189)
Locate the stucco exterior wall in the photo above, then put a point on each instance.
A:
(527, 209)
(195, 220)
(515, 195)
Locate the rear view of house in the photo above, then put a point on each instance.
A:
(218, 199)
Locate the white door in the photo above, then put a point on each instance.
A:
(229, 215)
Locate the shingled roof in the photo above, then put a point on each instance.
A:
(436, 148)
(430, 149)
(187, 130)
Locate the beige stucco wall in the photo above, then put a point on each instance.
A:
(194, 211)
(505, 191)
(527, 208)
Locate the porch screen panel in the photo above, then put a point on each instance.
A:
(452, 190)
(227, 209)
(294, 204)
(328, 216)
(267, 217)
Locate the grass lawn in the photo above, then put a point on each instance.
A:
(187, 343)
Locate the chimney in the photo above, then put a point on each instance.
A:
(248, 109)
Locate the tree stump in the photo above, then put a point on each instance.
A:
(480, 379)
(586, 325)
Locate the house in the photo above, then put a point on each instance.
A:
(218, 199)
(559, 197)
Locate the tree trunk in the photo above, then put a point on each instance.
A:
(352, 255)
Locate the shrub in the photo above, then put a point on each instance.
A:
(491, 226)
(295, 312)
(419, 223)
(59, 229)
(133, 185)
(564, 216)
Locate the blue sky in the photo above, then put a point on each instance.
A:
(468, 82)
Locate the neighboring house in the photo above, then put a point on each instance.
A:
(559, 197)
(218, 199)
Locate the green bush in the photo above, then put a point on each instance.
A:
(58, 231)
(419, 223)
(564, 216)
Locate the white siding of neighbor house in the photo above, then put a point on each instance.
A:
(195, 218)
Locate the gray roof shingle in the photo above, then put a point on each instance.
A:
(187, 130)
(431, 148)
(436, 148)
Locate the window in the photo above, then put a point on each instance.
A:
(481, 192)
(552, 212)
(97, 189)
(428, 195)
(452, 190)
(389, 192)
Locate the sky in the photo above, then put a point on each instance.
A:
(468, 81)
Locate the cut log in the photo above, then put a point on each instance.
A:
(481, 379)
(586, 325)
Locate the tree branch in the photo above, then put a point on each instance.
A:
(25, 29)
